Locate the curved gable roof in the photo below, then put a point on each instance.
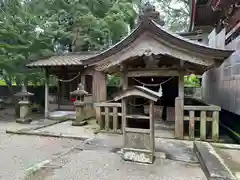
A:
(173, 39)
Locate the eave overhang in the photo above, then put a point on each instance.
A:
(164, 37)
(68, 59)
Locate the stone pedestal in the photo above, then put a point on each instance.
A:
(24, 112)
(24, 105)
(80, 114)
(80, 106)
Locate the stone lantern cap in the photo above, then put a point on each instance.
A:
(23, 92)
(79, 91)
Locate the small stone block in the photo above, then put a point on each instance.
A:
(160, 155)
(237, 175)
(24, 121)
(79, 123)
(140, 156)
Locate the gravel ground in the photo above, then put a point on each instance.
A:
(105, 165)
(18, 153)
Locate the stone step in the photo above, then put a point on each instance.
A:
(211, 163)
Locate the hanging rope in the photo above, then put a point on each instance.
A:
(152, 85)
(69, 80)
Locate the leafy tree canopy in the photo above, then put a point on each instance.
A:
(32, 29)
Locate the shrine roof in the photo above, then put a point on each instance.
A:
(68, 59)
(173, 40)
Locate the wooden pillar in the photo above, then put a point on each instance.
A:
(99, 86)
(59, 93)
(181, 85)
(46, 110)
(151, 122)
(83, 80)
(124, 80)
(179, 108)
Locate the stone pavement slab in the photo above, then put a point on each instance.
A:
(212, 164)
(65, 129)
(107, 165)
(173, 149)
(62, 115)
(231, 158)
(178, 150)
(36, 124)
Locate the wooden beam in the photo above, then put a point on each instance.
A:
(138, 130)
(103, 104)
(155, 72)
(202, 108)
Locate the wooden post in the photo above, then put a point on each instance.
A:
(59, 94)
(115, 119)
(99, 86)
(99, 117)
(181, 85)
(179, 108)
(83, 80)
(215, 126)
(124, 112)
(191, 125)
(62, 91)
(179, 118)
(46, 111)
(107, 120)
(203, 125)
(124, 80)
(152, 134)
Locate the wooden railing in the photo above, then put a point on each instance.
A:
(108, 116)
(207, 120)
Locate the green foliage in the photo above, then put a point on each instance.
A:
(113, 80)
(176, 14)
(33, 29)
(191, 81)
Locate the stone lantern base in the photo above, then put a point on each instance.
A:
(80, 114)
(24, 112)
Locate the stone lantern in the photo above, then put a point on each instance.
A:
(24, 105)
(79, 104)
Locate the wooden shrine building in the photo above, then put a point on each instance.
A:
(157, 59)
(70, 70)
(151, 55)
